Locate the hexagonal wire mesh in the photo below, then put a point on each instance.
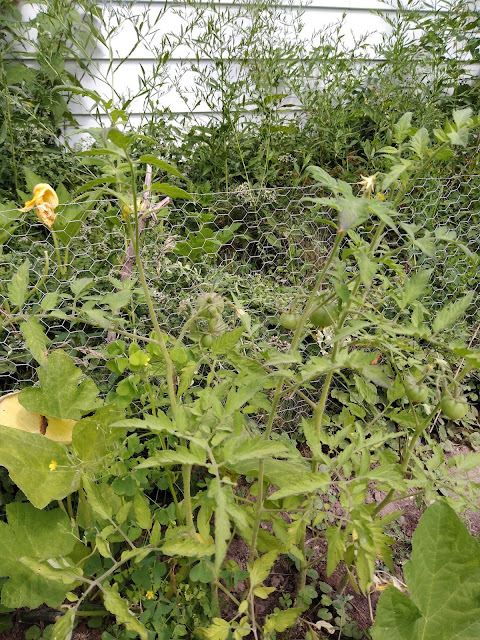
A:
(255, 247)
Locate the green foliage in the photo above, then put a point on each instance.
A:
(32, 107)
(27, 456)
(60, 395)
(443, 578)
(40, 535)
(186, 456)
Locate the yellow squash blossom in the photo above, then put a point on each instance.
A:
(45, 200)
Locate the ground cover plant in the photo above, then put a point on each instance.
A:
(139, 496)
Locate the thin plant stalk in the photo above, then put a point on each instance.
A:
(170, 370)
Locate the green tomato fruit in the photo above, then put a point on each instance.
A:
(324, 316)
(207, 340)
(290, 320)
(415, 391)
(452, 408)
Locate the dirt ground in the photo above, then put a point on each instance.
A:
(82, 632)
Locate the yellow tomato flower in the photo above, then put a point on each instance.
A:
(149, 595)
(380, 196)
(127, 209)
(45, 200)
(367, 183)
(53, 465)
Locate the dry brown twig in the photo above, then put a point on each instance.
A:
(146, 212)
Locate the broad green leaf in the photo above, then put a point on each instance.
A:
(189, 547)
(277, 472)
(312, 439)
(27, 456)
(35, 339)
(80, 285)
(119, 607)
(443, 578)
(117, 300)
(367, 267)
(31, 178)
(139, 359)
(300, 484)
(49, 301)
(351, 212)
(227, 341)
(159, 423)
(95, 183)
(59, 569)
(401, 129)
(466, 463)
(238, 449)
(39, 535)
(261, 568)
(237, 398)
(63, 628)
(143, 517)
(68, 222)
(282, 620)
(99, 318)
(222, 523)
(69, 217)
(426, 244)
(394, 174)
(180, 456)
(96, 500)
(165, 166)
(463, 117)
(218, 630)
(323, 178)
(390, 474)
(103, 547)
(263, 592)
(101, 152)
(383, 211)
(447, 316)
(18, 286)
(186, 377)
(170, 190)
(9, 216)
(60, 395)
(458, 132)
(414, 287)
(336, 548)
(420, 142)
(119, 139)
(93, 438)
(138, 554)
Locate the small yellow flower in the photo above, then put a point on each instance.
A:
(53, 465)
(45, 200)
(150, 595)
(367, 183)
(380, 196)
(127, 209)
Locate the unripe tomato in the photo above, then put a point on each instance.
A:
(207, 340)
(415, 392)
(452, 408)
(289, 320)
(324, 316)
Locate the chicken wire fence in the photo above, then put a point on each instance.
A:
(254, 247)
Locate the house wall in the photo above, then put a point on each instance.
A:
(132, 58)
